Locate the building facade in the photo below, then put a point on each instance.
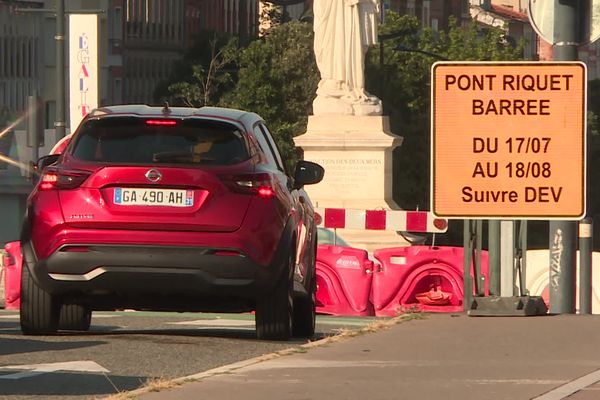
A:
(20, 55)
(139, 43)
(432, 13)
(513, 17)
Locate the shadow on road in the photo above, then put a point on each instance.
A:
(207, 332)
(27, 344)
(61, 385)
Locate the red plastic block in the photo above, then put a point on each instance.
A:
(13, 262)
(422, 278)
(344, 276)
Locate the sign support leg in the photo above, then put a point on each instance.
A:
(562, 233)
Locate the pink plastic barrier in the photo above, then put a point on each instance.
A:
(12, 261)
(420, 277)
(344, 277)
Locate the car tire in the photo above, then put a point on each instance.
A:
(74, 317)
(274, 312)
(305, 313)
(40, 310)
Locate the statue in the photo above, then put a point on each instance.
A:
(344, 30)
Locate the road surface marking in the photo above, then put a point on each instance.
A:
(215, 322)
(568, 389)
(38, 369)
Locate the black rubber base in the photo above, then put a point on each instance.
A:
(517, 306)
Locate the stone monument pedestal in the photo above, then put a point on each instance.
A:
(356, 152)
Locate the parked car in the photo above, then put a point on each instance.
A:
(328, 236)
(175, 209)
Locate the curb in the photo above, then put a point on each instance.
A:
(226, 369)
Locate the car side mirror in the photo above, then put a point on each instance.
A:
(308, 173)
(45, 161)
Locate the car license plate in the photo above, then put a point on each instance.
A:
(154, 197)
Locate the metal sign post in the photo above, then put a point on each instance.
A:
(562, 234)
(507, 257)
(542, 18)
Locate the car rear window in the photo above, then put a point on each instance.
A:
(135, 140)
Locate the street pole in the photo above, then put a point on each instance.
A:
(586, 248)
(507, 258)
(59, 122)
(562, 234)
(468, 243)
(494, 257)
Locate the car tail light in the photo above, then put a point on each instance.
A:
(257, 184)
(161, 122)
(53, 178)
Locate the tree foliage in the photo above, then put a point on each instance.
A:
(593, 154)
(205, 73)
(399, 72)
(400, 76)
(277, 79)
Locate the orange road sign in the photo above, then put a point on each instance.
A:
(508, 140)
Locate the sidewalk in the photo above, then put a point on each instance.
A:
(439, 357)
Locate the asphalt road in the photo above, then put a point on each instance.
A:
(124, 350)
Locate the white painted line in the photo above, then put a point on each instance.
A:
(231, 368)
(321, 321)
(38, 369)
(215, 322)
(94, 315)
(568, 389)
(251, 323)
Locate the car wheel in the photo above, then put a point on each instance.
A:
(274, 312)
(305, 313)
(39, 309)
(74, 317)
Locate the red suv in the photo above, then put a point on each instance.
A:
(175, 209)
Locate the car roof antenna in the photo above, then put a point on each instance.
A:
(166, 109)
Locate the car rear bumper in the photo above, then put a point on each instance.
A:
(136, 276)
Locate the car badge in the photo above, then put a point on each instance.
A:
(153, 175)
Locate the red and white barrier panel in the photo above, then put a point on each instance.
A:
(390, 220)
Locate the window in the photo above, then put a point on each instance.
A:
(426, 13)
(272, 146)
(410, 7)
(5, 144)
(264, 146)
(530, 43)
(117, 91)
(135, 140)
(50, 113)
(118, 23)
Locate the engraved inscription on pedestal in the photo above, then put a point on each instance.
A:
(350, 176)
